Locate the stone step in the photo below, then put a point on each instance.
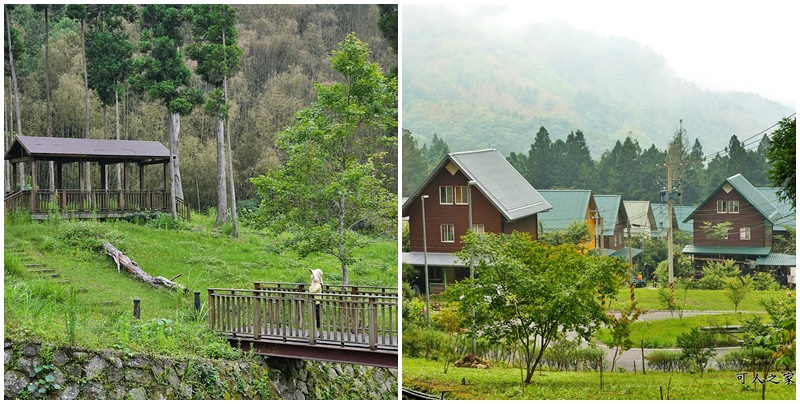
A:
(36, 265)
(42, 271)
(61, 281)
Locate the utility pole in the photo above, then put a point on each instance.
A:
(669, 196)
(597, 237)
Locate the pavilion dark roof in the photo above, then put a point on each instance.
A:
(101, 150)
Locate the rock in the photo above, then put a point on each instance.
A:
(69, 393)
(95, 367)
(138, 362)
(338, 368)
(7, 353)
(31, 350)
(117, 394)
(27, 364)
(481, 366)
(138, 393)
(59, 358)
(93, 391)
(74, 370)
(14, 383)
(302, 374)
(138, 376)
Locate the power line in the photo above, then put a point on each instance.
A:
(709, 156)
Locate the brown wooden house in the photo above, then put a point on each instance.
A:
(478, 184)
(27, 153)
(753, 217)
(613, 221)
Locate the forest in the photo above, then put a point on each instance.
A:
(628, 169)
(92, 72)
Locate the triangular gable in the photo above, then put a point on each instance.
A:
(755, 198)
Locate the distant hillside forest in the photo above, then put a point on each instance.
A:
(284, 51)
(477, 88)
(628, 169)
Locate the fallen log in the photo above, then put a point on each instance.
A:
(133, 268)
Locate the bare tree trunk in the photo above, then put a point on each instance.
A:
(119, 167)
(174, 134)
(51, 172)
(222, 194)
(16, 94)
(87, 170)
(7, 139)
(234, 218)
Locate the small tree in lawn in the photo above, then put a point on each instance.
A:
(329, 191)
(697, 347)
(620, 327)
(737, 288)
(529, 292)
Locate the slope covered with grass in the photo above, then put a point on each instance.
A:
(93, 308)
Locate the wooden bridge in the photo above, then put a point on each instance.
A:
(357, 324)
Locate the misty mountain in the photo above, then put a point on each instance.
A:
(478, 88)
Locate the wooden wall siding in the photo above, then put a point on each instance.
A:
(748, 216)
(525, 225)
(483, 212)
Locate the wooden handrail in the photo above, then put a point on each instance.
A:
(350, 320)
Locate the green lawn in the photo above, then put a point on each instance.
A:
(504, 383)
(697, 300)
(95, 308)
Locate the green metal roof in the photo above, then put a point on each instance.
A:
(777, 260)
(569, 205)
(623, 252)
(727, 250)
(608, 206)
(681, 215)
(787, 213)
(750, 194)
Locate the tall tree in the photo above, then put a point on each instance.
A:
(437, 150)
(415, 168)
(782, 155)
(218, 56)
(328, 190)
(682, 162)
(108, 55)
(540, 160)
(12, 39)
(520, 292)
(45, 9)
(80, 13)
(161, 72)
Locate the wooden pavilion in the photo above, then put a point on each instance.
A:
(87, 203)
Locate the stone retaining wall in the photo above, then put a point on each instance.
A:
(37, 371)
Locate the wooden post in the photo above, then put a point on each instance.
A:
(312, 324)
(122, 199)
(141, 177)
(34, 189)
(256, 315)
(211, 314)
(373, 324)
(103, 177)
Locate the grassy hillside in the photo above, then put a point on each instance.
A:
(94, 309)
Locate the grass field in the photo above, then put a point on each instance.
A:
(696, 299)
(504, 383)
(94, 309)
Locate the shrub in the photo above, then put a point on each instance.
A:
(560, 355)
(711, 282)
(744, 358)
(697, 347)
(764, 281)
(667, 361)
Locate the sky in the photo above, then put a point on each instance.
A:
(734, 45)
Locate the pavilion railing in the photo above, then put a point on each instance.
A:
(101, 202)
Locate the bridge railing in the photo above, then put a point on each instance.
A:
(367, 321)
(334, 289)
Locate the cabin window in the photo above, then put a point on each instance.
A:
(478, 229)
(722, 206)
(448, 233)
(445, 195)
(744, 233)
(733, 206)
(462, 196)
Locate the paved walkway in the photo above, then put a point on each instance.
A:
(627, 359)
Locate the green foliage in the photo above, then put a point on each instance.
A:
(697, 347)
(744, 359)
(521, 294)
(717, 231)
(211, 23)
(12, 267)
(44, 381)
(715, 274)
(620, 329)
(330, 191)
(667, 361)
(576, 233)
(737, 288)
(764, 281)
(782, 155)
